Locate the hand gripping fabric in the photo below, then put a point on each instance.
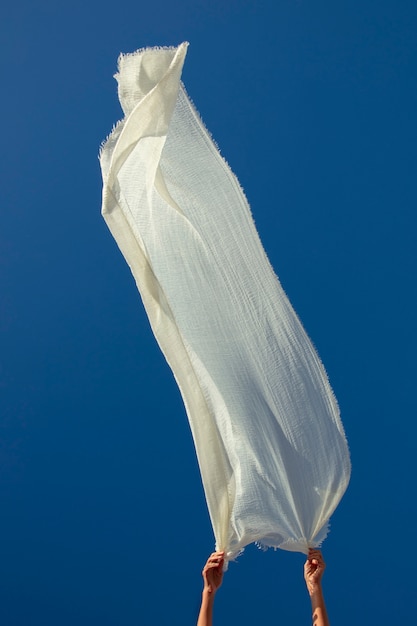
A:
(270, 444)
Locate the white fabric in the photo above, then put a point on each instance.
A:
(269, 441)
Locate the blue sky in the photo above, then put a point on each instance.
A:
(103, 518)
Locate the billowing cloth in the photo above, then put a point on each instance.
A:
(270, 444)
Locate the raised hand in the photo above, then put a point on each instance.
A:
(213, 572)
(313, 570)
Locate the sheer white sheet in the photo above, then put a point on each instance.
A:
(269, 440)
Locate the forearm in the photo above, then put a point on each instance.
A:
(318, 609)
(205, 617)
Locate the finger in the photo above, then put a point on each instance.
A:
(212, 566)
(315, 554)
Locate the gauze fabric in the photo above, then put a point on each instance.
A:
(270, 444)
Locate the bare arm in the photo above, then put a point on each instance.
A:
(213, 577)
(313, 571)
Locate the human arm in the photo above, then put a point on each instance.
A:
(212, 577)
(313, 571)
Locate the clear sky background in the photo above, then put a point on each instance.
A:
(103, 519)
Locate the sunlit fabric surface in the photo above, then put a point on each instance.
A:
(270, 445)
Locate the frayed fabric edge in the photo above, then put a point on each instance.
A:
(118, 126)
(149, 49)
